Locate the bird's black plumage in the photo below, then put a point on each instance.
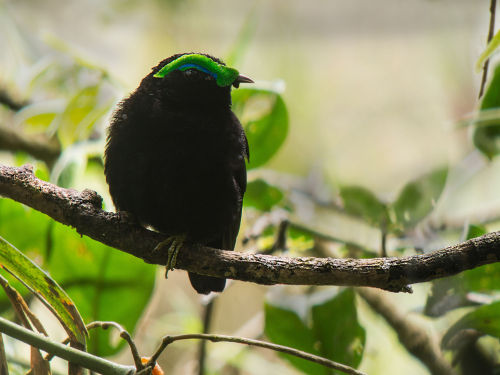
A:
(175, 159)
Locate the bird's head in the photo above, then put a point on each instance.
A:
(195, 77)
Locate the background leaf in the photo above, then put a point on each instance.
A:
(418, 197)
(486, 135)
(334, 332)
(341, 338)
(485, 319)
(361, 202)
(261, 195)
(284, 327)
(485, 278)
(264, 116)
(243, 39)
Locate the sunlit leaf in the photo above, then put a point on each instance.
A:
(38, 117)
(341, 338)
(82, 112)
(43, 285)
(284, 327)
(361, 202)
(261, 195)
(299, 240)
(417, 199)
(264, 116)
(488, 51)
(485, 319)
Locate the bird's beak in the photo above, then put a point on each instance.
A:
(241, 79)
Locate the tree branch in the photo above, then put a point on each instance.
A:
(414, 338)
(38, 146)
(82, 210)
(10, 102)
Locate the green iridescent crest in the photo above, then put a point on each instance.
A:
(224, 75)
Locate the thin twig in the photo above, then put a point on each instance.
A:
(124, 335)
(70, 354)
(13, 297)
(383, 243)
(4, 370)
(280, 242)
(38, 364)
(414, 338)
(491, 32)
(167, 340)
(17, 300)
(207, 322)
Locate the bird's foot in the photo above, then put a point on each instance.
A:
(172, 245)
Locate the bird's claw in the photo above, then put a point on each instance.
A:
(172, 244)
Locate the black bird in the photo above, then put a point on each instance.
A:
(175, 155)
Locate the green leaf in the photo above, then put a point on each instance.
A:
(488, 51)
(417, 199)
(299, 240)
(284, 327)
(38, 117)
(474, 231)
(106, 284)
(487, 139)
(34, 226)
(44, 286)
(361, 202)
(261, 195)
(485, 278)
(264, 117)
(334, 333)
(482, 279)
(485, 319)
(486, 135)
(76, 122)
(336, 327)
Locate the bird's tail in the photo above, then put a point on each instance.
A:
(206, 284)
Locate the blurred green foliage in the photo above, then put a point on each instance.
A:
(331, 331)
(486, 135)
(72, 101)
